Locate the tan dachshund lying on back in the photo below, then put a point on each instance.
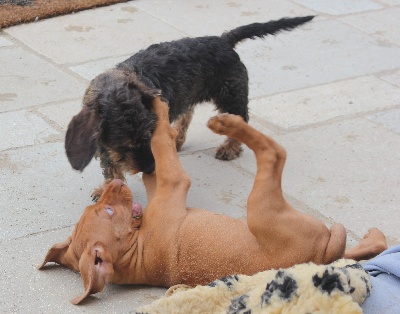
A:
(171, 244)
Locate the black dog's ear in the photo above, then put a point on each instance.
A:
(148, 96)
(147, 93)
(80, 141)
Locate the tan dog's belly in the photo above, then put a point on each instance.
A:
(213, 245)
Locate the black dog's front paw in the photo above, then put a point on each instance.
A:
(98, 191)
(95, 196)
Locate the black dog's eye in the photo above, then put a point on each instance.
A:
(147, 136)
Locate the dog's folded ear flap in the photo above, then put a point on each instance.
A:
(148, 96)
(147, 93)
(80, 141)
(96, 270)
(57, 253)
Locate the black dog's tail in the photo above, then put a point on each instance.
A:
(262, 29)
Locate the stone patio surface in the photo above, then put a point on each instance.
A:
(329, 92)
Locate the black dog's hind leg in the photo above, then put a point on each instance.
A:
(233, 98)
(181, 125)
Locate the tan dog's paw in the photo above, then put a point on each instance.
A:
(160, 108)
(375, 240)
(226, 124)
(372, 244)
(177, 288)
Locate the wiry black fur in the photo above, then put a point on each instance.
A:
(188, 71)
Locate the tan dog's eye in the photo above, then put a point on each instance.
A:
(110, 211)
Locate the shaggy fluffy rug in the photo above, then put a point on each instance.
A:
(340, 287)
(14, 12)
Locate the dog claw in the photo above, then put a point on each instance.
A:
(226, 153)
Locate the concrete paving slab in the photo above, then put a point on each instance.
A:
(24, 129)
(221, 15)
(321, 52)
(247, 163)
(93, 34)
(27, 80)
(340, 7)
(62, 113)
(340, 170)
(325, 102)
(29, 290)
(45, 191)
(90, 70)
(224, 194)
(393, 77)
(199, 137)
(391, 2)
(383, 24)
(389, 119)
(4, 42)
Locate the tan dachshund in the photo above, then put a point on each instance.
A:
(171, 244)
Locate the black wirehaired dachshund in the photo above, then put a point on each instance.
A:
(114, 123)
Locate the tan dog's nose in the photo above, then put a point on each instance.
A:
(118, 182)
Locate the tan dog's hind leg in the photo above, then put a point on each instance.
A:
(372, 244)
(274, 223)
(266, 198)
(267, 210)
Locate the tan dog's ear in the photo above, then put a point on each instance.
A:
(57, 253)
(96, 270)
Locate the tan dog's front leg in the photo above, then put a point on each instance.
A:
(172, 182)
(150, 183)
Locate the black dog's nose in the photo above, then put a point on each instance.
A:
(149, 169)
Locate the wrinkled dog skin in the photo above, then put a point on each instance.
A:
(169, 244)
(114, 123)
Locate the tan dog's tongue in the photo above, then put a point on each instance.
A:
(136, 210)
